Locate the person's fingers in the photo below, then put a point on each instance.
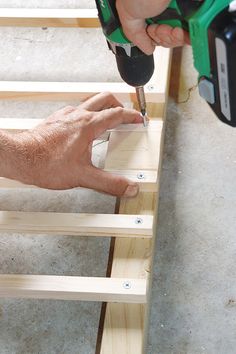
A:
(108, 183)
(167, 36)
(160, 33)
(100, 101)
(177, 34)
(111, 118)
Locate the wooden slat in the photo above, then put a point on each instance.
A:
(123, 290)
(160, 79)
(76, 224)
(147, 180)
(154, 124)
(155, 90)
(134, 150)
(21, 124)
(49, 17)
(26, 90)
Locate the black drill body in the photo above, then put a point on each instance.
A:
(135, 67)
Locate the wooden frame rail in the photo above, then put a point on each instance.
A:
(134, 152)
(76, 224)
(49, 17)
(123, 290)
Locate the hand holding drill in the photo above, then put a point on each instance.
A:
(133, 15)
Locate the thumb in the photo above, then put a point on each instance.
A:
(108, 183)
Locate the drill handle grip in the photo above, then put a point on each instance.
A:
(108, 16)
(177, 14)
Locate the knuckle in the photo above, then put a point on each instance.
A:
(118, 110)
(68, 109)
(107, 95)
(85, 120)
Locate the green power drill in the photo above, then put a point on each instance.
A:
(212, 28)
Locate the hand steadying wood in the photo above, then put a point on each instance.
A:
(57, 153)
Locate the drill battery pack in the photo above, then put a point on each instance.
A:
(222, 46)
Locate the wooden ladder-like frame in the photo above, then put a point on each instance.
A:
(134, 152)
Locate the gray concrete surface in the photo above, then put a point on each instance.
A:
(193, 307)
(194, 293)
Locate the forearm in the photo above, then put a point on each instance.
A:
(10, 155)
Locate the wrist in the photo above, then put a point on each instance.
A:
(7, 151)
(15, 159)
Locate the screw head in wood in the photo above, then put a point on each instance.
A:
(127, 285)
(140, 175)
(138, 221)
(150, 87)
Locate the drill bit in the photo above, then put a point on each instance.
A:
(142, 103)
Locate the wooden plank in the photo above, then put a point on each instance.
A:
(21, 124)
(160, 79)
(76, 224)
(73, 288)
(154, 124)
(134, 149)
(147, 180)
(125, 325)
(49, 17)
(26, 90)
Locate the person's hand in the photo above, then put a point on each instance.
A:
(57, 153)
(132, 15)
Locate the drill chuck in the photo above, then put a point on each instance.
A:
(137, 69)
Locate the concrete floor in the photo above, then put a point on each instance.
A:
(194, 290)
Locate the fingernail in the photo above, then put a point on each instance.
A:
(178, 34)
(131, 190)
